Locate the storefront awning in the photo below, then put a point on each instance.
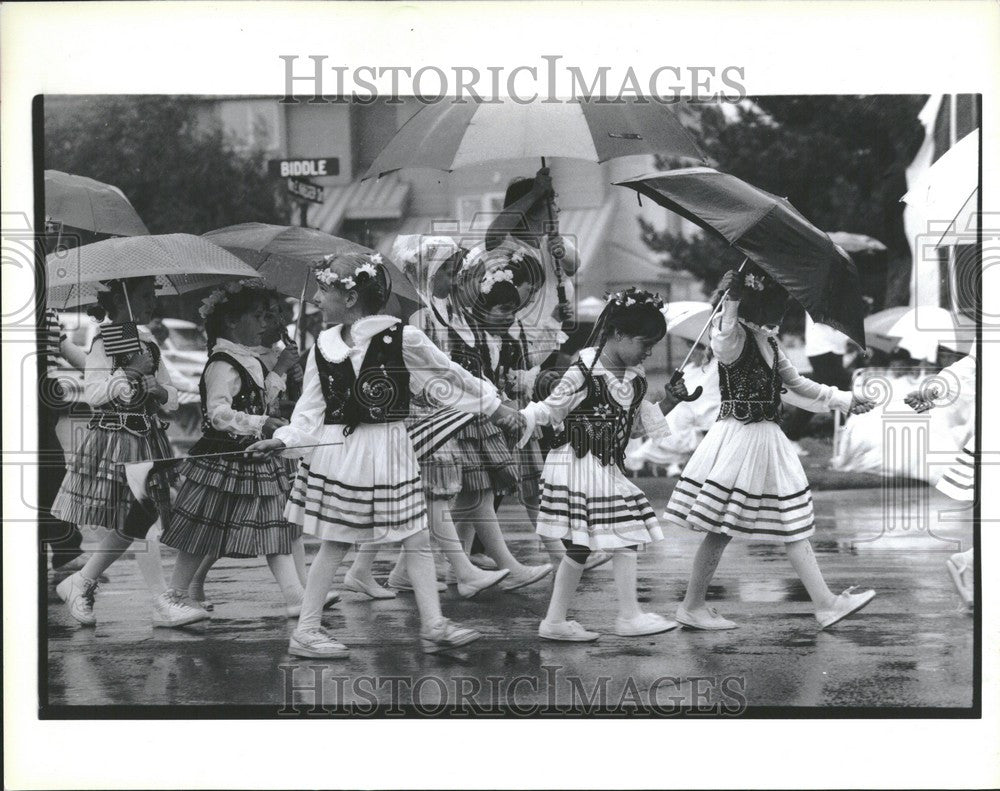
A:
(381, 199)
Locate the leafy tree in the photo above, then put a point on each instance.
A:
(840, 160)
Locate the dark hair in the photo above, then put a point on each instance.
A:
(502, 293)
(527, 270)
(517, 189)
(643, 319)
(234, 306)
(106, 299)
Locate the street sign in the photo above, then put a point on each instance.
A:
(323, 166)
(306, 190)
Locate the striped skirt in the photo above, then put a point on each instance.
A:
(363, 487)
(593, 505)
(744, 480)
(94, 492)
(230, 507)
(432, 432)
(959, 480)
(488, 459)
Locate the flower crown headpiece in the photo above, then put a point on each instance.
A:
(500, 275)
(220, 295)
(634, 296)
(362, 273)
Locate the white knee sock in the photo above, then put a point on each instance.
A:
(320, 580)
(625, 564)
(299, 555)
(147, 556)
(420, 564)
(283, 569)
(567, 579)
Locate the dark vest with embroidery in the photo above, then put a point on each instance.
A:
(477, 361)
(250, 399)
(379, 393)
(135, 414)
(750, 388)
(599, 424)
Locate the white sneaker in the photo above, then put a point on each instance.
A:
(444, 635)
(485, 580)
(567, 631)
(171, 609)
(847, 603)
(709, 621)
(643, 624)
(316, 644)
(79, 594)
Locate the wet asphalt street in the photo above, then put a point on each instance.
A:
(912, 647)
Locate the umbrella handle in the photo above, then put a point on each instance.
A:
(692, 396)
(708, 323)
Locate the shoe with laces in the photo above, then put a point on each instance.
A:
(316, 643)
(708, 620)
(643, 624)
(847, 603)
(444, 635)
(483, 581)
(79, 593)
(172, 609)
(566, 631)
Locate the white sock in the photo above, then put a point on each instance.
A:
(147, 556)
(567, 580)
(283, 569)
(625, 562)
(321, 574)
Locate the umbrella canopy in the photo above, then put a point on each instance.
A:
(946, 191)
(686, 319)
(448, 135)
(284, 255)
(877, 327)
(90, 205)
(920, 330)
(180, 262)
(856, 242)
(771, 232)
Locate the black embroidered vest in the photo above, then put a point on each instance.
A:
(250, 399)
(750, 389)
(477, 361)
(599, 424)
(137, 404)
(380, 393)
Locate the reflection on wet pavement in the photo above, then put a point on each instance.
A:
(911, 647)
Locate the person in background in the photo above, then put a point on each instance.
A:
(311, 327)
(825, 348)
(63, 539)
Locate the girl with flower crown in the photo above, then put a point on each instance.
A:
(587, 502)
(126, 390)
(232, 505)
(362, 481)
(745, 479)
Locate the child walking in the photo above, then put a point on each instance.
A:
(745, 478)
(232, 505)
(363, 484)
(126, 391)
(586, 501)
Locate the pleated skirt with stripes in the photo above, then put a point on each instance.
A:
(230, 507)
(591, 505)
(433, 434)
(488, 459)
(94, 492)
(365, 488)
(959, 480)
(744, 480)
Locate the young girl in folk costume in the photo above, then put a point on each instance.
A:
(233, 505)
(432, 262)
(587, 502)
(363, 483)
(745, 478)
(126, 391)
(957, 381)
(479, 340)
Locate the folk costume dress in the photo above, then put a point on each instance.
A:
(586, 497)
(959, 480)
(364, 484)
(125, 428)
(745, 479)
(232, 506)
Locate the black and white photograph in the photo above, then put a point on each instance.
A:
(528, 389)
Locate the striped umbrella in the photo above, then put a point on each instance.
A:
(448, 135)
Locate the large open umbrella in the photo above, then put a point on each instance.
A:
(946, 192)
(284, 256)
(773, 234)
(180, 263)
(918, 331)
(449, 135)
(90, 205)
(685, 319)
(856, 242)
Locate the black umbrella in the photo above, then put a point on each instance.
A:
(773, 234)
